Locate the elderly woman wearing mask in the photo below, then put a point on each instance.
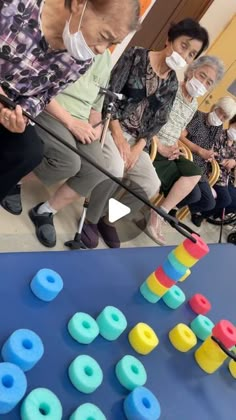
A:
(177, 174)
(201, 134)
(44, 47)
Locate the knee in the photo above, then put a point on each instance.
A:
(209, 203)
(153, 188)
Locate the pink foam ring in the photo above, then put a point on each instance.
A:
(199, 304)
(197, 250)
(225, 331)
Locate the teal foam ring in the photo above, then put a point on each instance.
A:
(112, 323)
(40, 404)
(148, 294)
(85, 374)
(130, 372)
(174, 297)
(87, 411)
(83, 328)
(176, 264)
(202, 327)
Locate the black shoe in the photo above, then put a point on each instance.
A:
(12, 202)
(197, 219)
(44, 227)
(173, 212)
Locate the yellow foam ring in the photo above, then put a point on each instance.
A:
(184, 257)
(188, 272)
(213, 351)
(142, 338)
(182, 338)
(232, 368)
(155, 286)
(207, 364)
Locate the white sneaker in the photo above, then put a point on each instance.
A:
(154, 228)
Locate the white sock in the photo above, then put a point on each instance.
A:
(163, 208)
(46, 208)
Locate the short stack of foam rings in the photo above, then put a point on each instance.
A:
(173, 270)
(209, 355)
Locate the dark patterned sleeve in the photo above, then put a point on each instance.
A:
(192, 127)
(119, 76)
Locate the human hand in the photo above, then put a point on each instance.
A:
(229, 164)
(82, 130)
(13, 120)
(133, 156)
(206, 154)
(169, 152)
(124, 149)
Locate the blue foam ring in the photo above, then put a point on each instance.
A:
(148, 294)
(171, 271)
(24, 348)
(176, 264)
(46, 284)
(13, 386)
(141, 404)
(174, 297)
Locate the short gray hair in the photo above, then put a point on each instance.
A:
(207, 60)
(228, 105)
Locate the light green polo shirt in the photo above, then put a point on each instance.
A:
(80, 97)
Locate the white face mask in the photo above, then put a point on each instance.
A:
(175, 61)
(214, 119)
(195, 88)
(231, 132)
(75, 43)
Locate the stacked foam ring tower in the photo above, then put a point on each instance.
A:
(175, 269)
(209, 355)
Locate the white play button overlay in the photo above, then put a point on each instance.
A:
(116, 210)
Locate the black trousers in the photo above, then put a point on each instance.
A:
(200, 199)
(20, 153)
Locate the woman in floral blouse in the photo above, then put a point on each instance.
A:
(45, 46)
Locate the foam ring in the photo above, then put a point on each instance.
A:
(148, 294)
(182, 338)
(184, 257)
(171, 271)
(85, 374)
(87, 411)
(142, 338)
(46, 284)
(13, 386)
(202, 327)
(155, 286)
(174, 298)
(130, 372)
(225, 331)
(83, 328)
(41, 404)
(197, 250)
(24, 348)
(141, 404)
(111, 322)
(187, 274)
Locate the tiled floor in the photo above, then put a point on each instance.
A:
(17, 232)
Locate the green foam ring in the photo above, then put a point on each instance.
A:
(85, 374)
(83, 328)
(148, 294)
(41, 404)
(87, 411)
(130, 372)
(111, 322)
(202, 327)
(174, 297)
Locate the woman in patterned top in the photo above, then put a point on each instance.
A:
(225, 149)
(45, 46)
(148, 81)
(201, 134)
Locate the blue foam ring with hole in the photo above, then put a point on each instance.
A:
(85, 374)
(202, 327)
(13, 384)
(171, 271)
(111, 322)
(87, 411)
(141, 404)
(148, 294)
(24, 348)
(83, 328)
(130, 372)
(41, 403)
(176, 264)
(46, 284)
(174, 297)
